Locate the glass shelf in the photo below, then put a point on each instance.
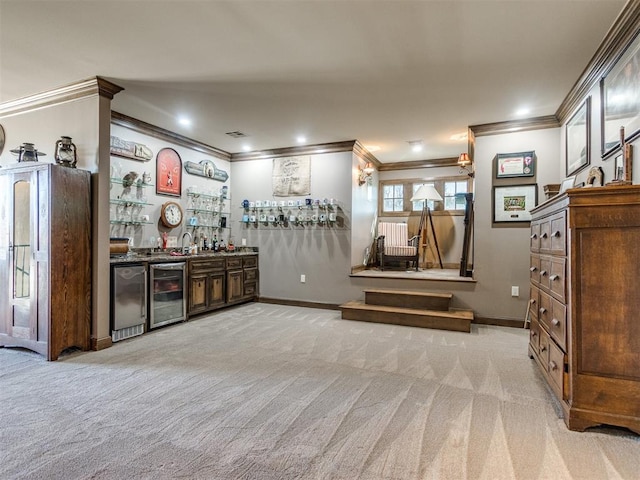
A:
(134, 184)
(119, 201)
(128, 222)
(206, 195)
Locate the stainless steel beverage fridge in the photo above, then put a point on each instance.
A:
(128, 301)
(167, 294)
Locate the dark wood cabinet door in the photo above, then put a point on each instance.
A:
(216, 289)
(197, 293)
(235, 285)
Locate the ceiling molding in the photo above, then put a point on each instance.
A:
(84, 88)
(620, 35)
(348, 146)
(510, 126)
(437, 162)
(158, 132)
(362, 152)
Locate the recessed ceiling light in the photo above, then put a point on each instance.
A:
(246, 148)
(372, 148)
(184, 121)
(416, 145)
(301, 139)
(523, 111)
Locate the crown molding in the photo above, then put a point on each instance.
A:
(362, 152)
(84, 88)
(510, 126)
(158, 132)
(618, 38)
(437, 162)
(347, 146)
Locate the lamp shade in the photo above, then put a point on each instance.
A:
(426, 192)
(464, 159)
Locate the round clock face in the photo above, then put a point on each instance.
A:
(171, 214)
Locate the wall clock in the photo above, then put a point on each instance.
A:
(171, 214)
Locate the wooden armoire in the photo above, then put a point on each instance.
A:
(585, 303)
(45, 257)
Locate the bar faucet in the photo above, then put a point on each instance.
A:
(187, 249)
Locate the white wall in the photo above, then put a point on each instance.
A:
(502, 253)
(142, 234)
(321, 253)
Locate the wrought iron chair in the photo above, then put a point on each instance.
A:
(393, 245)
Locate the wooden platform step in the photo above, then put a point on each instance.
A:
(456, 320)
(408, 299)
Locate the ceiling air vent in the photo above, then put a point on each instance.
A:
(237, 134)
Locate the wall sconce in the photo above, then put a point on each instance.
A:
(464, 161)
(365, 173)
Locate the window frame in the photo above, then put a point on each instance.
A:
(408, 193)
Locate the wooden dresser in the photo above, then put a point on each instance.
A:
(585, 303)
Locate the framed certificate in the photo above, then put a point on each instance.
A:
(522, 164)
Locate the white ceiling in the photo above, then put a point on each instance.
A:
(381, 72)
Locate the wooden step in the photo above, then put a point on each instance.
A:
(456, 320)
(408, 299)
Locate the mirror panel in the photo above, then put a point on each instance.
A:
(21, 239)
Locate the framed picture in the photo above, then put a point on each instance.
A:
(620, 93)
(567, 183)
(578, 138)
(522, 164)
(622, 165)
(168, 173)
(513, 203)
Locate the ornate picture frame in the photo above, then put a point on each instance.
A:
(620, 105)
(578, 139)
(168, 173)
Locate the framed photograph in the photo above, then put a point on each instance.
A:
(168, 173)
(578, 138)
(513, 203)
(567, 183)
(620, 93)
(522, 164)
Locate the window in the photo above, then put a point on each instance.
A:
(393, 198)
(396, 196)
(454, 195)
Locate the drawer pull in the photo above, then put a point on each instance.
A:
(556, 233)
(554, 277)
(553, 365)
(533, 269)
(555, 321)
(543, 273)
(543, 310)
(543, 348)
(534, 334)
(544, 235)
(534, 236)
(532, 301)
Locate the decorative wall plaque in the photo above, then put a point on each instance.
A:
(207, 169)
(128, 149)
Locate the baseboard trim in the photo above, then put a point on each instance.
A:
(299, 303)
(101, 343)
(499, 322)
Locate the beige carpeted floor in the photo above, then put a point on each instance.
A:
(271, 392)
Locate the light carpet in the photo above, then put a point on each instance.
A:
(266, 391)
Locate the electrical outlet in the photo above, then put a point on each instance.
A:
(244, 242)
(515, 291)
(303, 278)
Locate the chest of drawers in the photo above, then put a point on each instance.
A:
(585, 305)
